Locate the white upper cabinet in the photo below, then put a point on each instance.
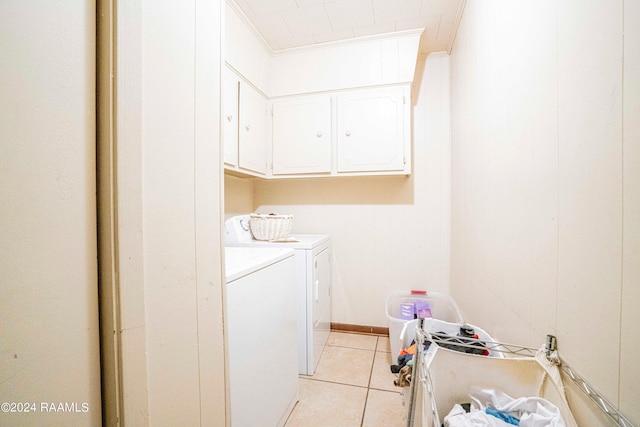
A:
(339, 109)
(373, 130)
(230, 111)
(301, 135)
(357, 132)
(244, 118)
(252, 131)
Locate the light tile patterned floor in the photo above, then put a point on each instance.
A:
(352, 386)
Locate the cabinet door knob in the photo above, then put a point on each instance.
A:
(248, 127)
(319, 134)
(347, 133)
(229, 117)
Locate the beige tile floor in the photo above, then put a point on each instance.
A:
(352, 386)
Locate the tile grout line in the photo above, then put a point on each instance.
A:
(333, 382)
(366, 399)
(368, 385)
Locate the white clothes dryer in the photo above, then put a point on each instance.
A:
(313, 273)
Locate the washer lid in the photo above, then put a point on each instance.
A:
(303, 241)
(241, 261)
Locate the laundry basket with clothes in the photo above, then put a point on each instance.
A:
(453, 387)
(462, 337)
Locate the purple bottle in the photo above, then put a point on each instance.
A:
(423, 309)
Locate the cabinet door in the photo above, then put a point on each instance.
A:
(371, 130)
(230, 116)
(321, 303)
(302, 135)
(252, 130)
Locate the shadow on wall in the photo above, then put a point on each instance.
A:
(353, 190)
(417, 81)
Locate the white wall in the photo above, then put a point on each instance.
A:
(388, 233)
(366, 61)
(49, 348)
(169, 213)
(356, 63)
(238, 196)
(244, 51)
(629, 366)
(545, 183)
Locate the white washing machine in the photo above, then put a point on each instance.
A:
(313, 272)
(261, 330)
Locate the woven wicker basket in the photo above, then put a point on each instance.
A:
(270, 227)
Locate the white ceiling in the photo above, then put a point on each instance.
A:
(286, 24)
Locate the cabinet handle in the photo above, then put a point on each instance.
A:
(229, 117)
(347, 133)
(319, 134)
(248, 127)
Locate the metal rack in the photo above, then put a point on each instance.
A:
(509, 350)
(599, 400)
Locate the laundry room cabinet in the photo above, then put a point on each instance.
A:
(355, 132)
(244, 118)
(252, 132)
(230, 89)
(302, 135)
(373, 130)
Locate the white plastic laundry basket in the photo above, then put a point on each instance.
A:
(442, 307)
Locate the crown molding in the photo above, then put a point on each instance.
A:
(232, 4)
